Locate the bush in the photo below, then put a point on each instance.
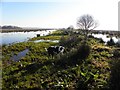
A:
(111, 42)
(115, 75)
(70, 41)
(101, 40)
(116, 54)
(118, 44)
(83, 51)
(90, 36)
(74, 56)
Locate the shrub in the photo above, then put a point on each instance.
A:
(70, 41)
(118, 44)
(83, 51)
(115, 75)
(90, 36)
(75, 56)
(111, 42)
(101, 40)
(116, 54)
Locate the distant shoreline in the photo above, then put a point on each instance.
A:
(21, 30)
(30, 29)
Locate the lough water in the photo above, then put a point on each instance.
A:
(15, 37)
(104, 37)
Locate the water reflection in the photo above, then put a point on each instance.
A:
(105, 38)
(19, 55)
(15, 37)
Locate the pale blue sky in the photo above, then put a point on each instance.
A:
(59, 14)
(18, 12)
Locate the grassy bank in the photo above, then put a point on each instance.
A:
(83, 66)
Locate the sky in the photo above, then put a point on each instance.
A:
(58, 14)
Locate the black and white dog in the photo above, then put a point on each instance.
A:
(52, 50)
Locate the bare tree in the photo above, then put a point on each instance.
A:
(86, 22)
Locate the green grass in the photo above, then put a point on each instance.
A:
(38, 70)
(56, 35)
(46, 38)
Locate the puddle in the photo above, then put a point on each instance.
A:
(42, 40)
(19, 55)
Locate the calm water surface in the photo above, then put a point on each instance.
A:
(15, 37)
(19, 55)
(105, 38)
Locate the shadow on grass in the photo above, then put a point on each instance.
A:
(60, 62)
(30, 69)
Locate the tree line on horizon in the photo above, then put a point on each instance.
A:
(10, 27)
